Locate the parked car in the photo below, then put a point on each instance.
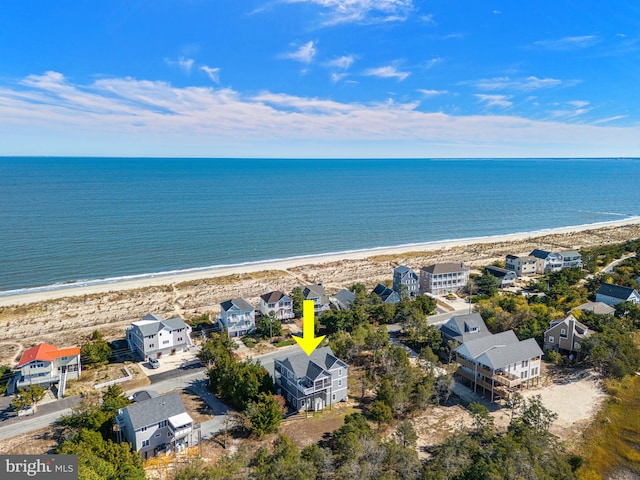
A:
(154, 362)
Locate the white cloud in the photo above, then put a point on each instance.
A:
(609, 119)
(362, 11)
(432, 63)
(524, 84)
(343, 62)
(387, 72)
(568, 43)
(429, 20)
(304, 53)
(336, 77)
(212, 73)
(432, 93)
(495, 100)
(50, 115)
(182, 63)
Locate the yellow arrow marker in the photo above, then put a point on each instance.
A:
(308, 342)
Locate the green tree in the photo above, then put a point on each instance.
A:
(27, 397)
(406, 435)
(487, 284)
(297, 295)
(95, 352)
(269, 326)
(381, 413)
(264, 415)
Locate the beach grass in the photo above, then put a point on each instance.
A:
(612, 442)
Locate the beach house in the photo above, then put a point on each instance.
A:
(565, 335)
(157, 424)
(386, 294)
(153, 336)
(311, 382)
(405, 280)
(462, 328)
(237, 317)
(318, 295)
(277, 302)
(442, 278)
(522, 266)
(615, 294)
(506, 278)
(599, 308)
(546, 262)
(46, 365)
(343, 299)
(499, 364)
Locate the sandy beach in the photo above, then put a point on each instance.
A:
(65, 316)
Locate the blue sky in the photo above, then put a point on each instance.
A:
(320, 78)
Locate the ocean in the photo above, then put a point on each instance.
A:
(65, 220)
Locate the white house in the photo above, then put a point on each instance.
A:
(441, 278)
(614, 294)
(506, 278)
(318, 295)
(237, 317)
(47, 365)
(277, 302)
(153, 336)
(522, 266)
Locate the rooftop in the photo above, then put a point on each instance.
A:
(154, 410)
(47, 353)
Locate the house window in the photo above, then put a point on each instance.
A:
(144, 429)
(340, 382)
(164, 342)
(157, 435)
(333, 397)
(340, 372)
(563, 333)
(302, 402)
(551, 339)
(145, 443)
(523, 375)
(162, 424)
(151, 345)
(525, 363)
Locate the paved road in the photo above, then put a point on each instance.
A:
(178, 379)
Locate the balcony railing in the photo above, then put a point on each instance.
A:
(503, 378)
(180, 432)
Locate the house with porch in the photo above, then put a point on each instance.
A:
(614, 294)
(565, 335)
(155, 425)
(311, 382)
(405, 279)
(237, 317)
(277, 302)
(462, 328)
(47, 365)
(153, 336)
(522, 266)
(498, 364)
(442, 278)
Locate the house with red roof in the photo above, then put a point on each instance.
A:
(46, 365)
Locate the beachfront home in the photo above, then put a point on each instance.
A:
(46, 365)
(506, 278)
(318, 295)
(157, 424)
(237, 317)
(343, 299)
(599, 308)
(153, 336)
(565, 335)
(311, 382)
(405, 279)
(570, 259)
(386, 294)
(462, 328)
(522, 266)
(615, 294)
(277, 302)
(547, 262)
(442, 278)
(499, 363)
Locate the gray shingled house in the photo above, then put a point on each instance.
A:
(506, 278)
(153, 336)
(311, 382)
(565, 335)
(615, 294)
(156, 425)
(343, 299)
(461, 328)
(404, 276)
(386, 294)
(318, 295)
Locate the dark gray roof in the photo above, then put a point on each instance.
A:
(152, 324)
(312, 291)
(478, 346)
(272, 297)
(600, 308)
(143, 395)
(542, 254)
(402, 270)
(239, 303)
(320, 361)
(386, 294)
(615, 291)
(569, 253)
(449, 267)
(498, 272)
(460, 327)
(511, 353)
(154, 410)
(344, 298)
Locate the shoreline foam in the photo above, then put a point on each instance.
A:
(50, 292)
